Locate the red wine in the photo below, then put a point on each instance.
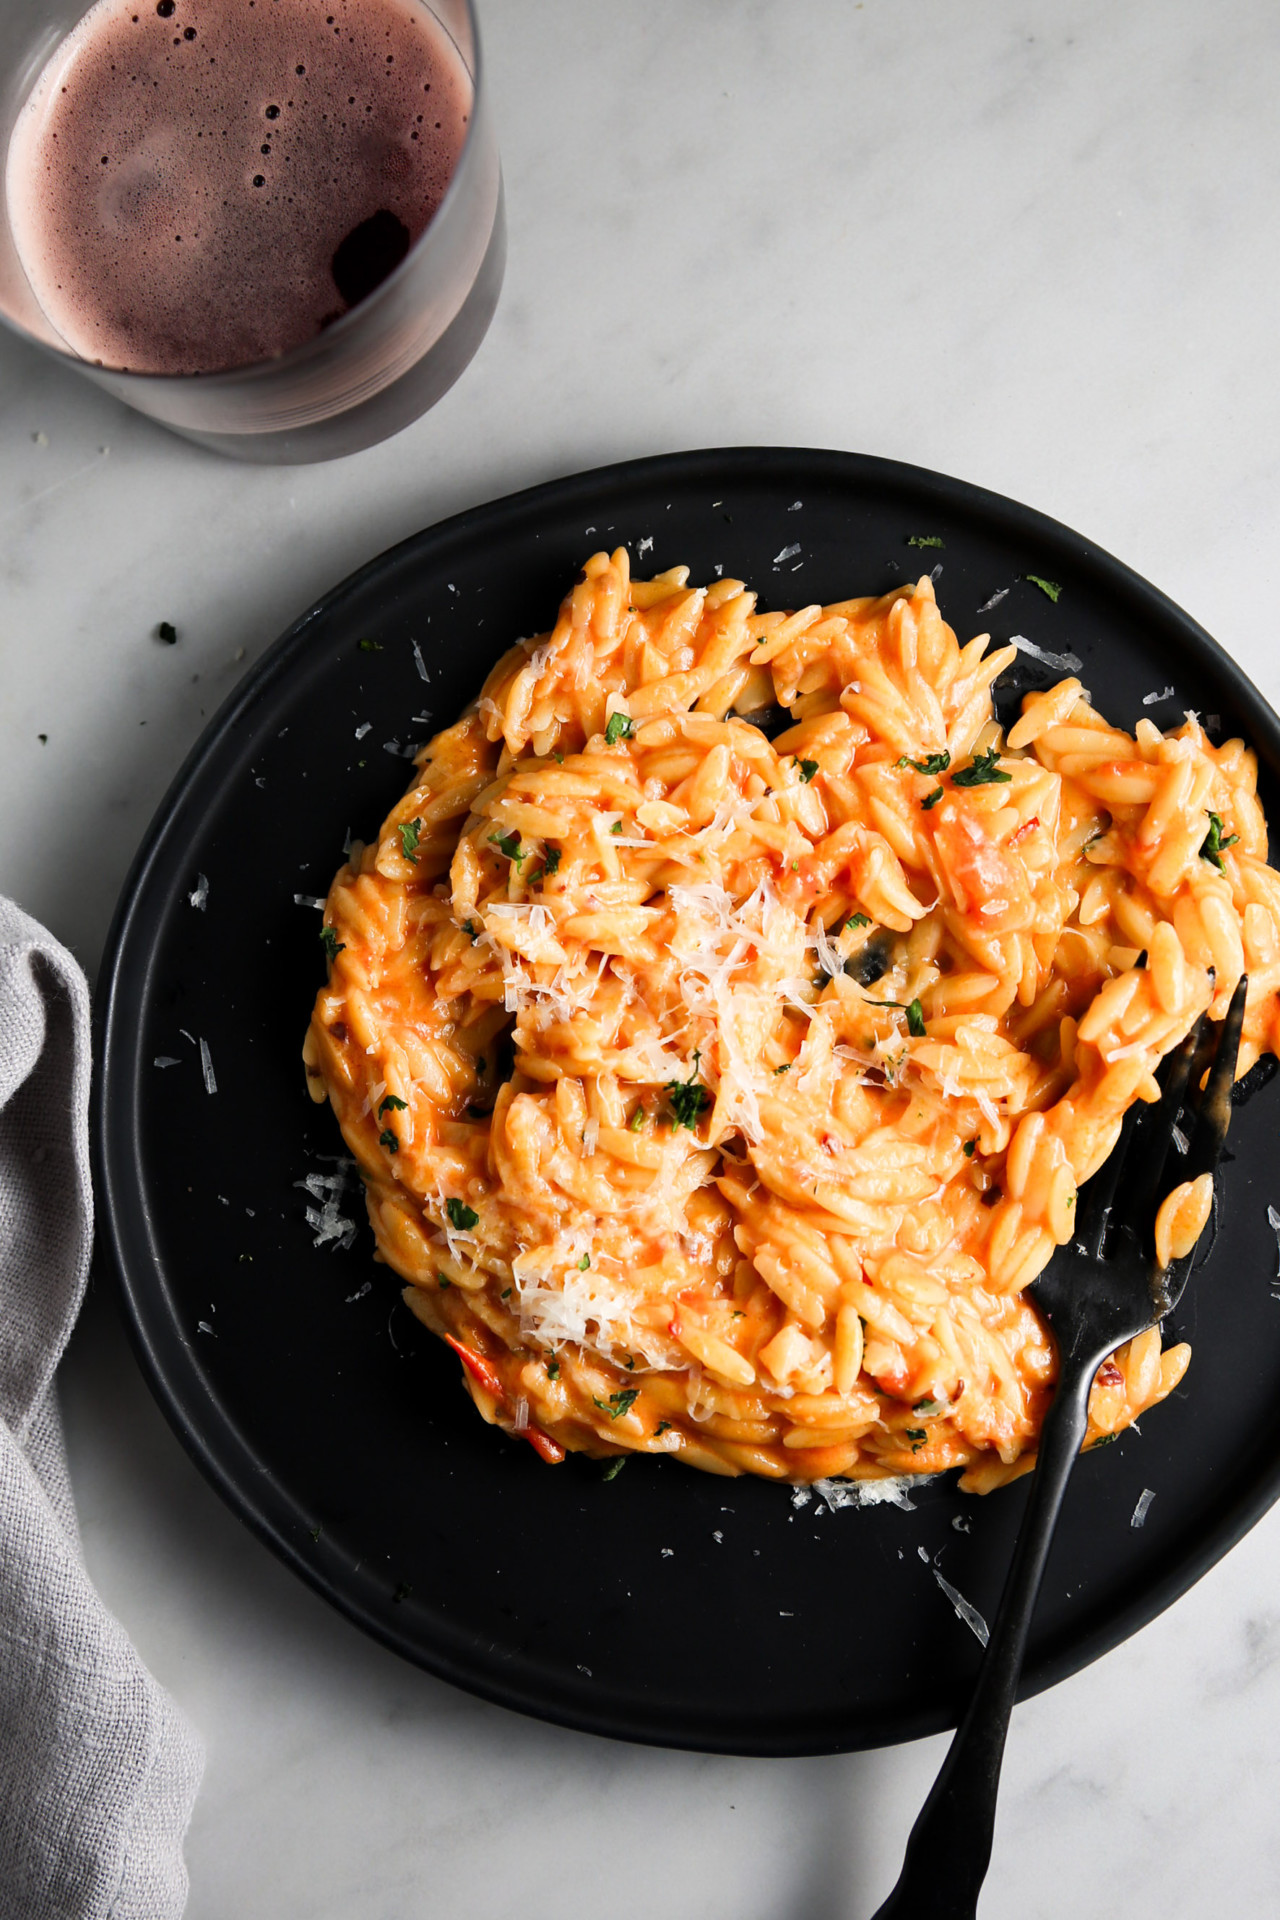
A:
(196, 185)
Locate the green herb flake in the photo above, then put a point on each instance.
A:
(970, 1148)
(370, 646)
(636, 1121)
(614, 1467)
(915, 1020)
(331, 943)
(509, 845)
(584, 1263)
(394, 1102)
(388, 1140)
(410, 832)
(1049, 587)
(461, 1216)
(929, 1408)
(443, 1280)
(619, 728)
(917, 1436)
(926, 540)
(856, 920)
(663, 1426)
(618, 1403)
(506, 1293)
(931, 799)
(616, 827)
(933, 763)
(315, 1533)
(552, 859)
(807, 769)
(553, 1369)
(469, 928)
(1213, 846)
(784, 1068)
(689, 1097)
(981, 771)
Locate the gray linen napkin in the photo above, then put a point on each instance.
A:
(98, 1769)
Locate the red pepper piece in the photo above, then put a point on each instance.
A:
(479, 1368)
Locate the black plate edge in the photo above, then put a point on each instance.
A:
(117, 1196)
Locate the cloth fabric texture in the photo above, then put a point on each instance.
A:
(98, 1768)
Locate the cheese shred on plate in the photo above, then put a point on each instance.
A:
(724, 1019)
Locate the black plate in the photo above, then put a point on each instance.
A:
(664, 1605)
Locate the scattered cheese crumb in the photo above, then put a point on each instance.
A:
(1145, 1498)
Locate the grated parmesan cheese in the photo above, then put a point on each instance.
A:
(1060, 662)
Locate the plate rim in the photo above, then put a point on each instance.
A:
(123, 988)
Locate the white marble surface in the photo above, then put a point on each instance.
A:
(1032, 243)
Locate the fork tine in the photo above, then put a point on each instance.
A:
(1215, 1106)
(1154, 1134)
(1098, 1194)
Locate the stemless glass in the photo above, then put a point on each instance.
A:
(368, 374)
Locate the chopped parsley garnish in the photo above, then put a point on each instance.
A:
(636, 1121)
(807, 769)
(551, 862)
(553, 1369)
(915, 1020)
(934, 763)
(619, 728)
(931, 799)
(461, 1215)
(688, 1097)
(469, 928)
(618, 1403)
(371, 646)
(616, 827)
(981, 771)
(926, 540)
(614, 1467)
(1213, 845)
(784, 1068)
(506, 1293)
(970, 1148)
(167, 632)
(330, 942)
(584, 1263)
(388, 1140)
(1050, 587)
(661, 1427)
(508, 844)
(410, 832)
(856, 920)
(928, 1407)
(917, 1436)
(394, 1102)
(443, 1280)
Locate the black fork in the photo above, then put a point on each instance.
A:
(1103, 1289)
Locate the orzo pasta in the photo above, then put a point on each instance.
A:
(719, 1094)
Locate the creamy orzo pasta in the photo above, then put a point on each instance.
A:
(718, 1089)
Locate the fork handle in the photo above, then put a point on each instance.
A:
(950, 1845)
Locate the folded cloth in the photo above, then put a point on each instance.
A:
(98, 1769)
